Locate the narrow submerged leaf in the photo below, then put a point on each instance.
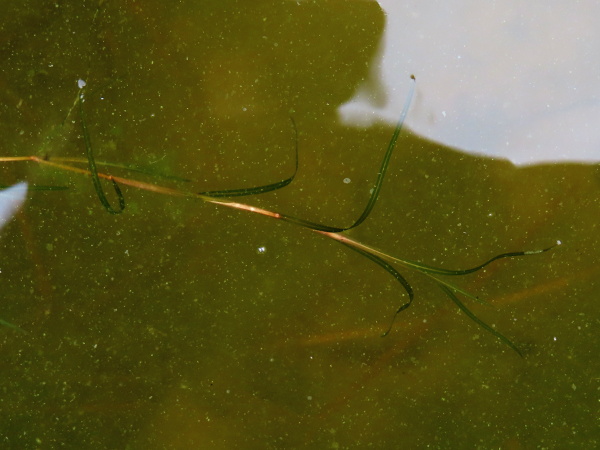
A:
(94, 171)
(386, 160)
(393, 272)
(311, 225)
(477, 320)
(460, 290)
(12, 326)
(439, 271)
(242, 192)
(128, 167)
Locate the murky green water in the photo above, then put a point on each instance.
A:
(166, 327)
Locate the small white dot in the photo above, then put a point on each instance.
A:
(347, 180)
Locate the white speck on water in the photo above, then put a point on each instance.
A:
(81, 83)
(347, 180)
(261, 250)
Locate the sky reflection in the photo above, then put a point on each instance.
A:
(503, 79)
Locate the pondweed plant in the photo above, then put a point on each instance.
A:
(223, 197)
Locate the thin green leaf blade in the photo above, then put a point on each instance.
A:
(242, 192)
(393, 272)
(94, 170)
(440, 271)
(386, 160)
(477, 320)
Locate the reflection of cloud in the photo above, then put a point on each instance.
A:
(11, 200)
(504, 79)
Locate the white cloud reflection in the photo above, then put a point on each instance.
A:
(510, 79)
(11, 200)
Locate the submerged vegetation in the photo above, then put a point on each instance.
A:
(220, 197)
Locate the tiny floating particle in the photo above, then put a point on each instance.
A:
(347, 180)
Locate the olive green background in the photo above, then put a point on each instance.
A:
(165, 327)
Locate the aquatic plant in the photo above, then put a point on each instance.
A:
(221, 197)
